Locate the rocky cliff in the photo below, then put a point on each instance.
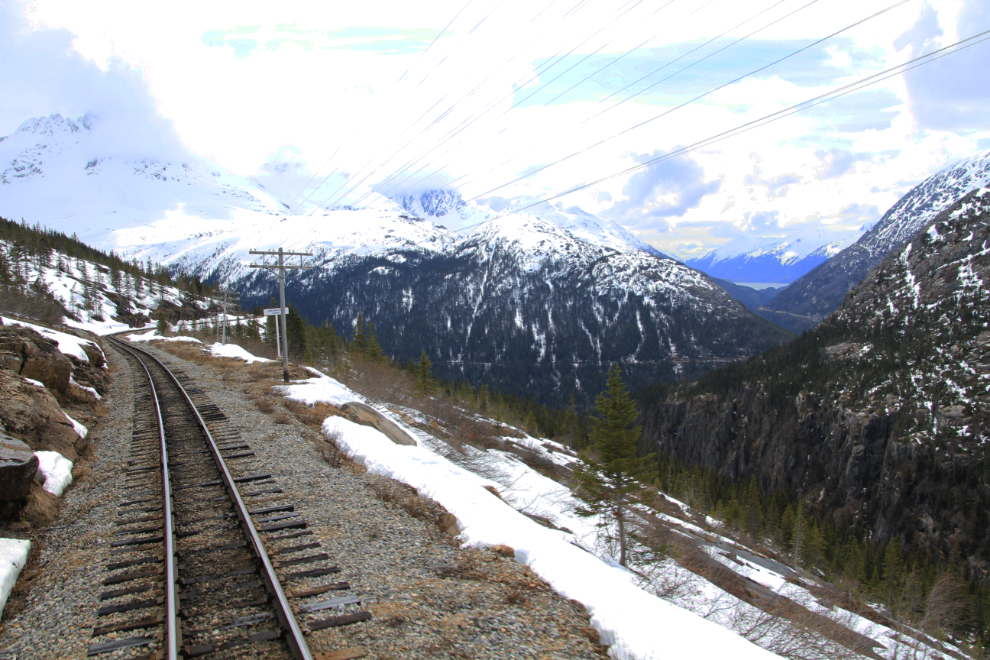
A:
(880, 415)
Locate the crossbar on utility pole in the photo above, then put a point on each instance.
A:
(282, 267)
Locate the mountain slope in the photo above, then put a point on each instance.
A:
(879, 416)
(536, 303)
(527, 307)
(820, 292)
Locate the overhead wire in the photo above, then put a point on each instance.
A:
(707, 57)
(326, 178)
(457, 130)
(858, 85)
(711, 54)
(522, 82)
(696, 98)
(547, 103)
(374, 158)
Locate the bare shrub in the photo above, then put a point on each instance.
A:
(265, 404)
(332, 450)
(283, 417)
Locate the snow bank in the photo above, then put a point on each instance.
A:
(13, 556)
(315, 390)
(637, 625)
(234, 351)
(57, 469)
(79, 428)
(153, 335)
(67, 344)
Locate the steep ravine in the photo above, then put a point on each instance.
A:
(879, 416)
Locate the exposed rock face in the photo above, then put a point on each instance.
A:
(881, 414)
(18, 468)
(27, 353)
(32, 414)
(367, 416)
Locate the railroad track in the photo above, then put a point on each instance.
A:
(197, 567)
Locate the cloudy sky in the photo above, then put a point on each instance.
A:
(512, 101)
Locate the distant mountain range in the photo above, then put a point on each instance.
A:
(768, 261)
(819, 293)
(536, 303)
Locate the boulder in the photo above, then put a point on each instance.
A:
(18, 467)
(32, 414)
(360, 413)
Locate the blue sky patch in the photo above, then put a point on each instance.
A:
(645, 71)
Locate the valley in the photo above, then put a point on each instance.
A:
(798, 468)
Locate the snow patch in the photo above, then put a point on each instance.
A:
(57, 469)
(13, 557)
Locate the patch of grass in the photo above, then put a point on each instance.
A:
(41, 507)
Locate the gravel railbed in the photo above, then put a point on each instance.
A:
(60, 610)
(429, 598)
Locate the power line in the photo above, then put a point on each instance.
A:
(844, 90)
(696, 98)
(698, 61)
(545, 104)
(473, 118)
(352, 176)
(706, 57)
(683, 69)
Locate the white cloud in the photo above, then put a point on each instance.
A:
(242, 81)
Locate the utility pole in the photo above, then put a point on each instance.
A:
(231, 297)
(282, 267)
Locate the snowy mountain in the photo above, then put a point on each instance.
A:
(879, 415)
(820, 292)
(536, 303)
(448, 207)
(768, 260)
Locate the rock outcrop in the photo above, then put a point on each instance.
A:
(360, 413)
(32, 414)
(18, 468)
(26, 353)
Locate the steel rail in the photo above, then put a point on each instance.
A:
(294, 638)
(173, 634)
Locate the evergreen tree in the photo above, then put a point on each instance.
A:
(608, 484)
(423, 376)
(359, 344)
(295, 329)
(372, 350)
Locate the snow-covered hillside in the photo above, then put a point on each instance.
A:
(556, 291)
(820, 292)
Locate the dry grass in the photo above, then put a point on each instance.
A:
(311, 416)
(41, 507)
(332, 450)
(406, 498)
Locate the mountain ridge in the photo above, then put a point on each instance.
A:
(820, 292)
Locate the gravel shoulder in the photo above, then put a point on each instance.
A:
(53, 608)
(429, 598)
